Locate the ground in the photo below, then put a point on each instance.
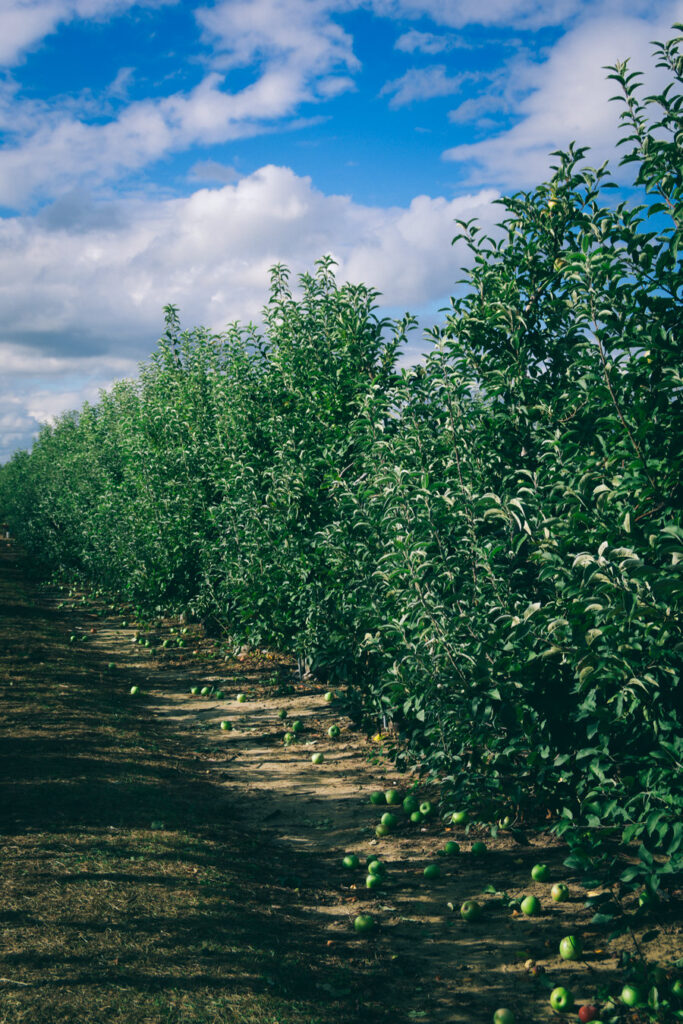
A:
(158, 869)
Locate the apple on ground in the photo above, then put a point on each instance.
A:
(219, 695)
(373, 882)
(194, 690)
(417, 817)
(561, 999)
(451, 848)
(478, 849)
(432, 871)
(134, 690)
(329, 697)
(470, 910)
(459, 817)
(364, 923)
(503, 1016)
(350, 861)
(410, 804)
(571, 947)
(282, 714)
(382, 830)
(588, 1013)
(426, 808)
(393, 797)
(530, 906)
(390, 820)
(226, 726)
(559, 892)
(241, 698)
(297, 726)
(317, 758)
(205, 691)
(540, 873)
(377, 797)
(376, 867)
(334, 732)
(289, 738)
(631, 995)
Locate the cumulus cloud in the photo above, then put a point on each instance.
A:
(84, 296)
(561, 99)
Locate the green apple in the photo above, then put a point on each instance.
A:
(382, 830)
(530, 906)
(503, 1016)
(329, 697)
(390, 820)
(504, 823)
(194, 690)
(411, 804)
(317, 758)
(459, 817)
(334, 732)
(631, 995)
(376, 867)
(561, 999)
(540, 873)
(111, 666)
(373, 882)
(364, 923)
(571, 948)
(451, 848)
(350, 861)
(377, 797)
(134, 690)
(559, 892)
(205, 691)
(219, 695)
(432, 871)
(288, 738)
(393, 797)
(425, 808)
(241, 698)
(417, 817)
(297, 726)
(478, 849)
(282, 714)
(470, 910)
(226, 726)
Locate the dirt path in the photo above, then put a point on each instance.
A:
(159, 869)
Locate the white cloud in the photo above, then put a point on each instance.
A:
(24, 23)
(83, 287)
(420, 84)
(564, 98)
(422, 42)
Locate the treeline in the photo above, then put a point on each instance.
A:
(485, 548)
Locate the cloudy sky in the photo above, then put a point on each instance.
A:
(172, 151)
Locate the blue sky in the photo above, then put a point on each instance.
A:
(169, 151)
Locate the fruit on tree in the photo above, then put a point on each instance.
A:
(561, 999)
(571, 947)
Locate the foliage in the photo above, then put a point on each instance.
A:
(486, 548)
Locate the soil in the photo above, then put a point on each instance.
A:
(156, 868)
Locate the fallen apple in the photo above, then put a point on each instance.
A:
(478, 849)
(392, 797)
(329, 697)
(350, 861)
(426, 808)
(530, 906)
(588, 1013)
(390, 820)
(571, 948)
(373, 881)
(226, 726)
(377, 797)
(282, 714)
(382, 830)
(317, 758)
(334, 732)
(559, 892)
(134, 690)
(459, 817)
(411, 804)
(451, 848)
(297, 726)
(540, 873)
(364, 923)
(631, 995)
(561, 999)
(503, 1016)
(470, 910)
(432, 871)
(241, 698)
(376, 867)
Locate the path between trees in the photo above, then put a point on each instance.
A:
(158, 869)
